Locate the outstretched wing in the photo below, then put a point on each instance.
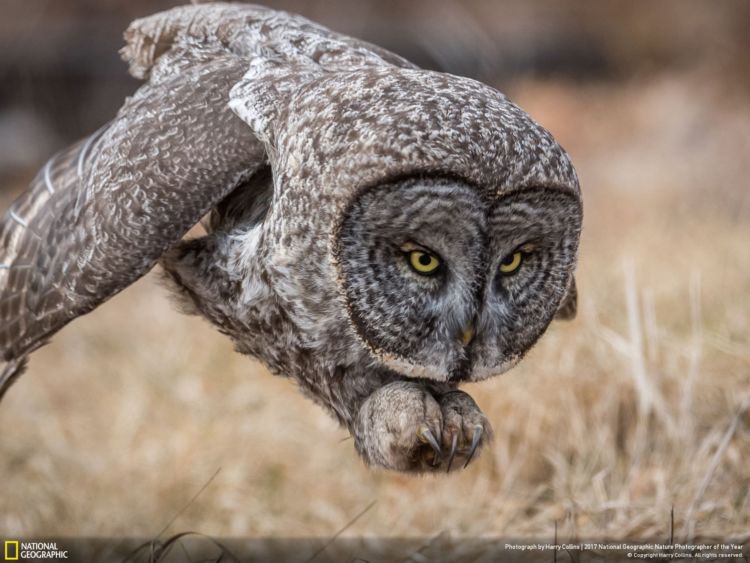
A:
(100, 214)
(25, 240)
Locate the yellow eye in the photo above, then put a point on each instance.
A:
(423, 262)
(511, 263)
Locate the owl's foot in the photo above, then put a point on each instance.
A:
(465, 429)
(403, 426)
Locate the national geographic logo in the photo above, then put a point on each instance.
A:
(13, 550)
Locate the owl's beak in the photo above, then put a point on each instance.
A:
(468, 334)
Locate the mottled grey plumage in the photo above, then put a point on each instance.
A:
(326, 163)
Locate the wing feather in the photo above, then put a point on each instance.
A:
(99, 214)
(158, 44)
(569, 305)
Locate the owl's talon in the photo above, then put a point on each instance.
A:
(403, 426)
(454, 445)
(427, 437)
(475, 439)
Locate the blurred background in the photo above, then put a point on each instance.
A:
(639, 406)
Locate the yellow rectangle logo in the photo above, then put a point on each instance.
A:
(11, 550)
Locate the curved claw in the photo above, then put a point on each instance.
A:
(475, 439)
(427, 437)
(454, 444)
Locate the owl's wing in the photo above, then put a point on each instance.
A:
(100, 214)
(569, 305)
(157, 45)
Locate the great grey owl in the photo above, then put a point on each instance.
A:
(377, 232)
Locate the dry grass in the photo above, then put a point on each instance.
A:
(638, 406)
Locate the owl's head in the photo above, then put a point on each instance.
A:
(441, 282)
(447, 219)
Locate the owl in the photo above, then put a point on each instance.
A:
(376, 232)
